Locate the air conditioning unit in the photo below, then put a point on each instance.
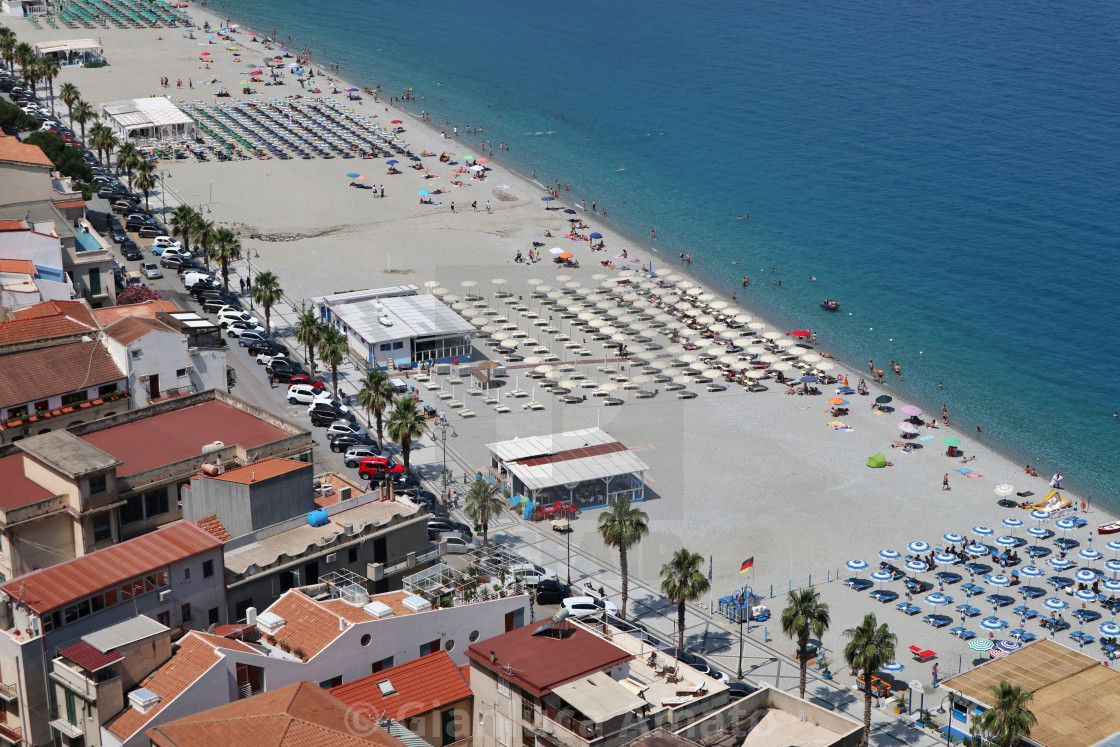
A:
(165, 595)
(332, 557)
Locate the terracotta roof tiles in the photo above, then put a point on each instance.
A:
(44, 321)
(419, 686)
(70, 204)
(25, 266)
(111, 314)
(88, 657)
(132, 328)
(215, 526)
(11, 149)
(309, 626)
(18, 490)
(265, 469)
(38, 374)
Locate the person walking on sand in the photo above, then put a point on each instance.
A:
(453, 207)
(488, 207)
(945, 482)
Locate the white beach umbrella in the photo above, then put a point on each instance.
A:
(784, 366)
(499, 336)
(534, 281)
(757, 326)
(599, 276)
(508, 344)
(532, 360)
(673, 277)
(685, 284)
(718, 328)
(729, 360)
(451, 298)
(824, 366)
(480, 321)
(499, 281)
(755, 350)
(771, 334)
(429, 284)
(705, 297)
(439, 290)
(810, 357)
(688, 358)
(563, 278)
(768, 358)
(717, 305)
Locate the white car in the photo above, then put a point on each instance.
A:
(225, 318)
(529, 574)
(584, 608)
(172, 251)
(267, 359)
(457, 543)
(344, 428)
(305, 394)
(166, 241)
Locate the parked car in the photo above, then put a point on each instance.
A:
(284, 375)
(151, 270)
(305, 379)
(437, 524)
(117, 234)
(368, 466)
(131, 251)
(583, 608)
(339, 412)
(208, 294)
(228, 316)
(345, 443)
(322, 420)
(122, 207)
(345, 428)
(177, 252)
(270, 345)
(457, 543)
(400, 481)
(172, 263)
(233, 328)
(246, 337)
(355, 454)
(302, 394)
(147, 230)
(266, 359)
(530, 574)
(289, 370)
(551, 591)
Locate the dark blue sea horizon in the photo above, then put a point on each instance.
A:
(949, 172)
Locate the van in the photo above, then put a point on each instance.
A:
(190, 278)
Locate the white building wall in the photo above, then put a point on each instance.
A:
(157, 353)
(209, 369)
(42, 249)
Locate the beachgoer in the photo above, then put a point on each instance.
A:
(453, 207)
(1056, 480)
(746, 280)
(945, 482)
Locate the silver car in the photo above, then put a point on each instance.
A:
(151, 270)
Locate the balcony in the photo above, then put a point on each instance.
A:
(11, 734)
(67, 729)
(8, 692)
(585, 731)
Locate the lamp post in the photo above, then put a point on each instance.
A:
(568, 536)
(163, 189)
(740, 670)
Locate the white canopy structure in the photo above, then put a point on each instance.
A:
(151, 119)
(71, 51)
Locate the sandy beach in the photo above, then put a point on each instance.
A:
(732, 474)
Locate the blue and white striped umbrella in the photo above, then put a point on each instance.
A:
(1059, 564)
(1085, 595)
(918, 546)
(857, 565)
(1053, 603)
(1085, 576)
(1039, 532)
(1114, 545)
(1112, 565)
(1007, 541)
(1032, 571)
(917, 566)
(1110, 628)
(952, 539)
(882, 576)
(937, 599)
(1012, 522)
(893, 666)
(999, 580)
(1066, 524)
(945, 557)
(1009, 645)
(1111, 584)
(1088, 553)
(889, 554)
(983, 531)
(976, 549)
(1040, 515)
(991, 623)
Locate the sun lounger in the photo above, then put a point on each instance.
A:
(937, 621)
(967, 610)
(956, 630)
(884, 595)
(909, 609)
(1025, 612)
(966, 635)
(922, 654)
(691, 689)
(1027, 637)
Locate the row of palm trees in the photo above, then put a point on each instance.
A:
(34, 70)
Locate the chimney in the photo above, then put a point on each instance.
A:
(341, 624)
(251, 616)
(493, 658)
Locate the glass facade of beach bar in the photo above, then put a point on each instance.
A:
(586, 468)
(149, 120)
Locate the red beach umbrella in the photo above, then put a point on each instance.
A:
(800, 333)
(396, 121)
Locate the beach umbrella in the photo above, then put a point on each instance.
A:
(951, 441)
(977, 549)
(981, 644)
(908, 428)
(911, 410)
(809, 379)
(1085, 576)
(937, 599)
(882, 576)
(982, 531)
(1114, 546)
(892, 666)
(1089, 554)
(918, 546)
(1007, 541)
(1040, 515)
(952, 539)
(1031, 571)
(991, 623)
(393, 162)
(824, 366)
(547, 198)
(883, 399)
(1113, 565)
(423, 192)
(916, 566)
(999, 580)
(1066, 524)
(555, 250)
(889, 554)
(596, 235)
(396, 121)
(1111, 584)
(1085, 595)
(1039, 532)
(834, 400)
(1012, 522)
(1004, 489)
(362, 179)
(1109, 629)
(1059, 564)
(351, 176)
(1009, 645)
(944, 557)
(857, 565)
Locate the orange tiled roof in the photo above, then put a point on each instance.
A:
(394, 599)
(132, 328)
(38, 374)
(14, 224)
(111, 314)
(215, 526)
(265, 469)
(77, 310)
(309, 626)
(298, 715)
(70, 204)
(11, 149)
(47, 320)
(421, 685)
(26, 266)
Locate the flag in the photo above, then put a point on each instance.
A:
(746, 566)
(709, 567)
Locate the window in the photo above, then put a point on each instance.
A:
(473, 636)
(181, 373)
(429, 648)
(98, 484)
(95, 282)
(207, 568)
(528, 707)
(18, 412)
(241, 608)
(527, 738)
(332, 682)
(74, 398)
(133, 510)
(449, 644)
(250, 680)
(352, 555)
(366, 640)
(164, 619)
(136, 354)
(212, 616)
(187, 574)
(155, 502)
(383, 664)
(105, 390)
(42, 405)
(102, 527)
(185, 613)
(503, 687)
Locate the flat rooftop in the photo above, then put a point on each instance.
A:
(411, 317)
(565, 458)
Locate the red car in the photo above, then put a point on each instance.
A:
(305, 379)
(369, 466)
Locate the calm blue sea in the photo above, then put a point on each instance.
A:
(949, 171)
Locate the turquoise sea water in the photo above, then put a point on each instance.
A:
(950, 172)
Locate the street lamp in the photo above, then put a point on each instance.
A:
(443, 426)
(568, 536)
(163, 189)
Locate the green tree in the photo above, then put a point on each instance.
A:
(623, 526)
(266, 291)
(146, 179)
(8, 48)
(182, 225)
(48, 71)
(308, 332)
(227, 248)
(682, 581)
(103, 140)
(870, 646)
(69, 95)
(804, 617)
(1009, 719)
(406, 423)
(332, 351)
(25, 56)
(204, 239)
(376, 394)
(82, 113)
(128, 159)
(482, 504)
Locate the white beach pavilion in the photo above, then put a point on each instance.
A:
(71, 51)
(147, 120)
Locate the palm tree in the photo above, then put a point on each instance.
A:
(8, 48)
(623, 527)
(48, 71)
(871, 646)
(204, 239)
(70, 96)
(145, 177)
(82, 113)
(805, 617)
(266, 291)
(128, 158)
(377, 391)
(332, 351)
(227, 248)
(406, 423)
(28, 67)
(182, 224)
(103, 140)
(308, 332)
(1009, 719)
(682, 581)
(23, 54)
(483, 503)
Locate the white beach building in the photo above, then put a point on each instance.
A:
(151, 119)
(71, 51)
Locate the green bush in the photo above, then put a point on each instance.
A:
(93, 64)
(13, 120)
(66, 158)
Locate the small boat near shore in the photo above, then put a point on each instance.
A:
(1110, 528)
(829, 305)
